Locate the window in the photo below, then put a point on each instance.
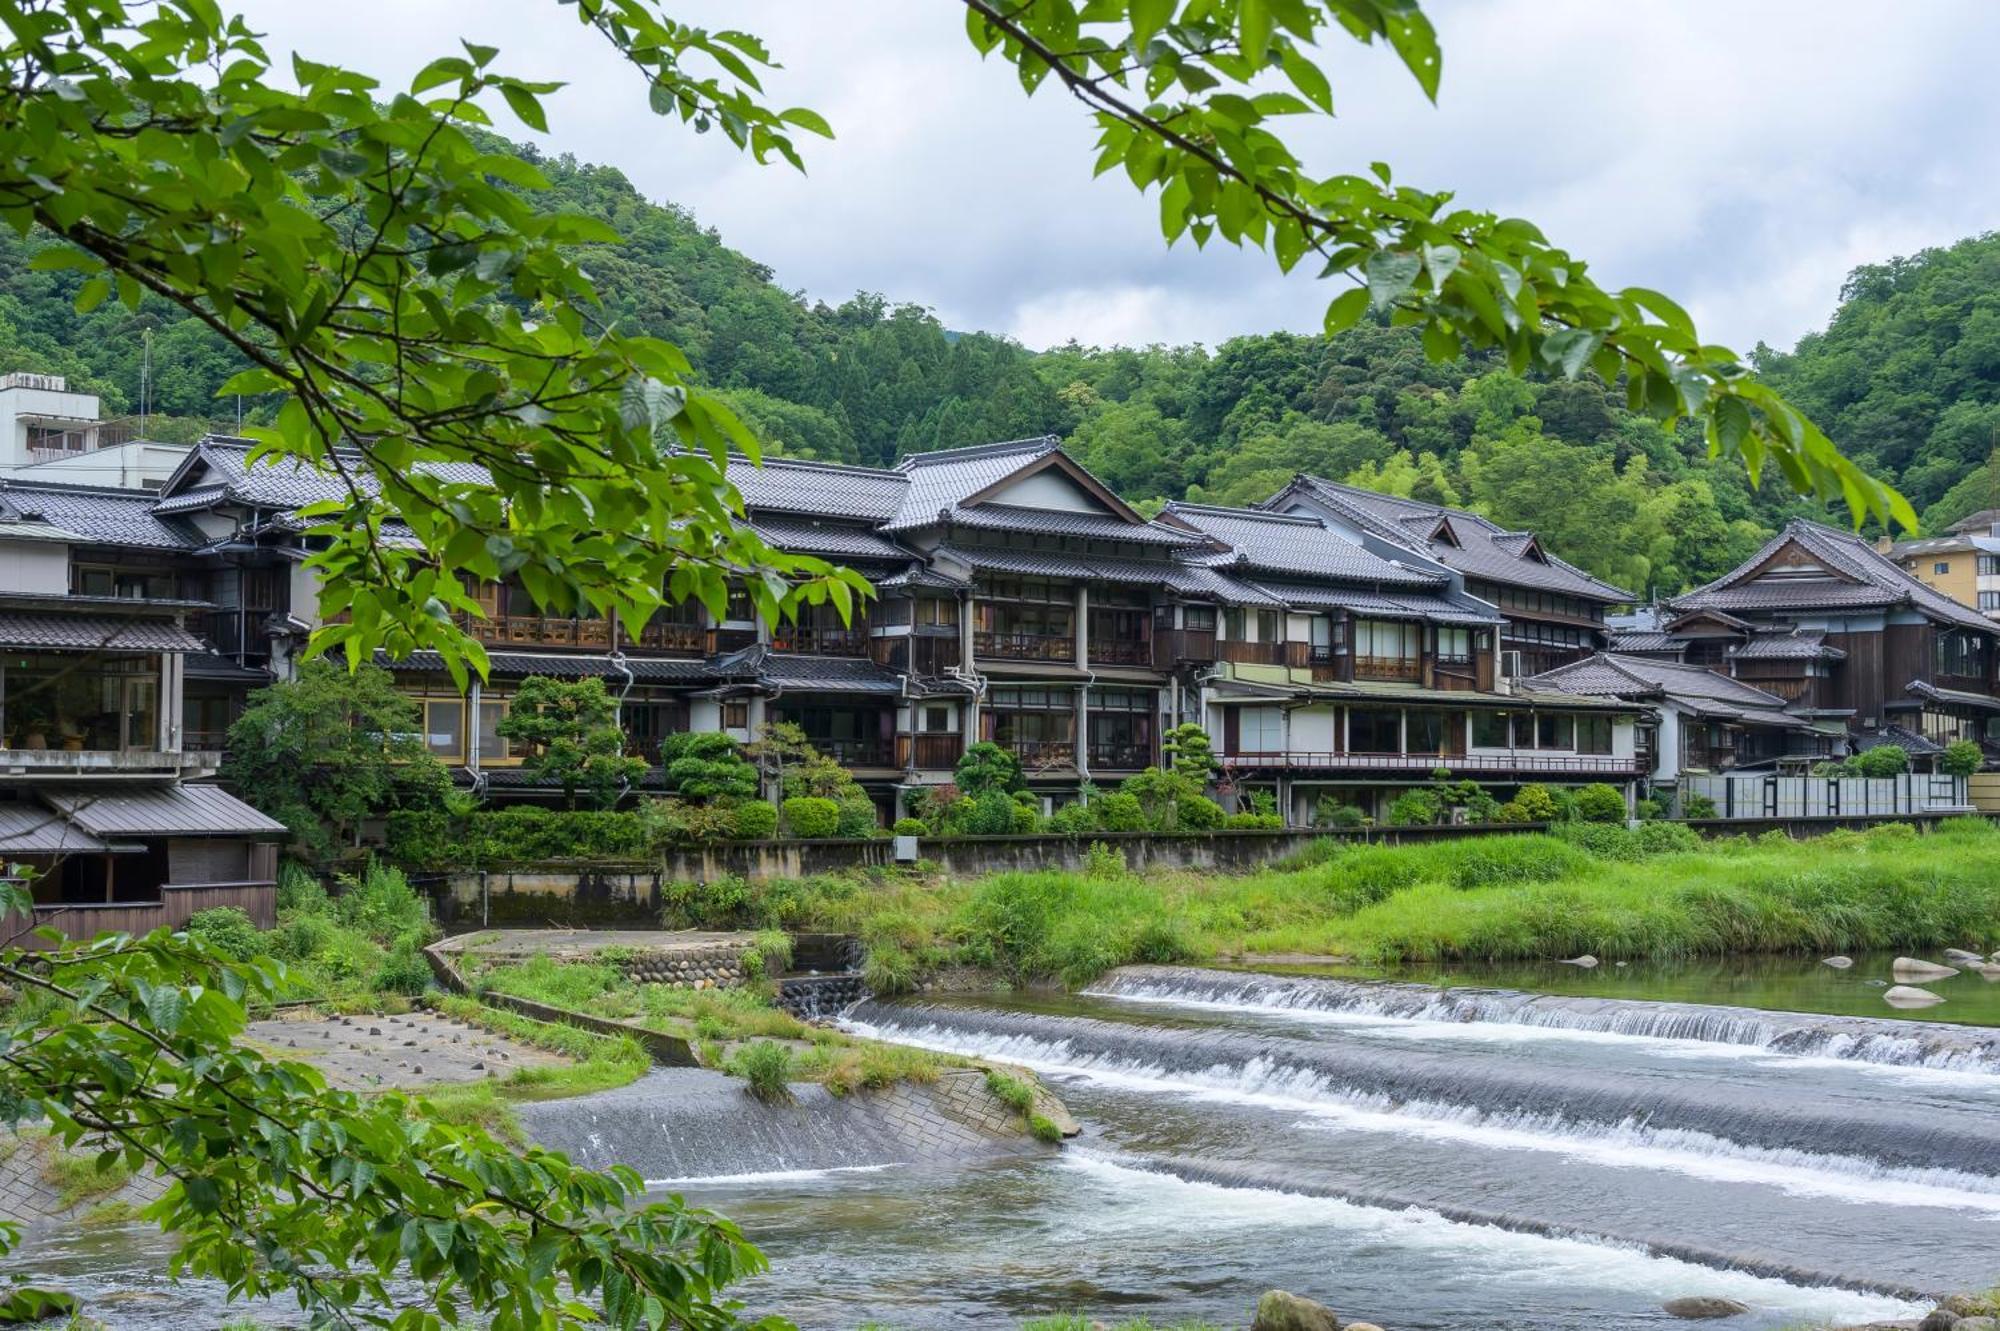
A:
(1489, 730)
(740, 611)
(1961, 654)
(128, 584)
(1989, 600)
(1374, 730)
(491, 746)
(1263, 730)
(937, 720)
(1270, 627)
(1454, 646)
(1941, 567)
(1199, 618)
(444, 727)
(1388, 639)
(1989, 566)
(1555, 732)
(1427, 732)
(736, 716)
(1593, 734)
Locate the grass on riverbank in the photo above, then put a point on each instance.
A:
(738, 1030)
(601, 1063)
(1659, 893)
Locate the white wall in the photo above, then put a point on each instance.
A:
(16, 403)
(139, 465)
(1313, 729)
(38, 567)
(1049, 489)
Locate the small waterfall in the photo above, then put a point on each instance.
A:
(1881, 1151)
(1884, 1040)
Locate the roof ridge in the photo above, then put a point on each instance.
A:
(1247, 514)
(75, 487)
(995, 449)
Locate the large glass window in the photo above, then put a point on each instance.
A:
(1454, 646)
(80, 702)
(1388, 639)
(1489, 730)
(1427, 731)
(492, 747)
(444, 727)
(1962, 654)
(1556, 731)
(1261, 729)
(1374, 730)
(1593, 734)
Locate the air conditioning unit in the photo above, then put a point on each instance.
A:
(1510, 665)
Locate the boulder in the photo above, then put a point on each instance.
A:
(1586, 961)
(1958, 956)
(1976, 1324)
(1703, 1308)
(1939, 1319)
(1362, 1326)
(1910, 970)
(1989, 972)
(1903, 995)
(1838, 963)
(1968, 1305)
(1281, 1311)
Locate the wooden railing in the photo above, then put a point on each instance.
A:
(1121, 651)
(1115, 756)
(1025, 646)
(1251, 653)
(1581, 764)
(1172, 646)
(1038, 755)
(820, 641)
(929, 753)
(1403, 669)
(857, 752)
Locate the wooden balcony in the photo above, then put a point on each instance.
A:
(1113, 756)
(1024, 646)
(1519, 762)
(1041, 755)
(808, 641)
(586, 634)
(1251, 653)
(1121, 652)
(1392, 669)
(858, 752)
(1173, 647)
(929, 753)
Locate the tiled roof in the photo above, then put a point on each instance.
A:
(99, 515)
(1188, 579)
(1380, 605)
(1691, 686)
(916, 575)
(817, 489)
(1957, 697)
(1909, 741)
(192, 500)
(113, 811)
(1485, 549)
(578, 665)
(86, 632)
(1798, 645)
(1296, 545)
(1063, 522)
(1858, 576)
(1635, 641)
(1377, 691)
(828, 674)
(839, 539)
(939, 481)
(283, 483)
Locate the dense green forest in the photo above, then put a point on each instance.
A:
(1906, 377)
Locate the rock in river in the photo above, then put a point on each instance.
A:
(1279, 1311)
(1838, 963)
(1909, 970)
(1903, 995)
(1702, 1307)
(1586, 961)
(1958, 956)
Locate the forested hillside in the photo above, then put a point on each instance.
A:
(1907, 377)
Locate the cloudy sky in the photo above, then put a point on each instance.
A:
(1741, 156)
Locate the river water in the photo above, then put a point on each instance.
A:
(1478, 1160)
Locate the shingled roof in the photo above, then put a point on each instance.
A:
(1460, 540)
(218, 470)
(97, 515)
(1294, 545)
(817, 489)
(1843, 572)
(1699, 690)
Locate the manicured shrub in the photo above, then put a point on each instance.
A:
(1198, 813)
(910, 827)
(1533, 803)
(228, 930)
(856, 815)
(755, 820)
(1332, 811)
(1121, 812)
(1600, 803)
(1511, 860)
(1667, 839)
(812, 817)
(986, 766)
(1961, 757)
(1415, 808)
(1074, 819)
(1697, 806)
(706, 764)
(1882, 760)
(992, 814)
(1027, 817)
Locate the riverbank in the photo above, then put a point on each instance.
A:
(1657, 893)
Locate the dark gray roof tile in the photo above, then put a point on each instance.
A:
(29, 629)
(1295, 545)
(99, 515)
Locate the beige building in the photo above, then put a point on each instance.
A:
(1964, 563)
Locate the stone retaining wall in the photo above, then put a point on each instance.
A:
(717, 966)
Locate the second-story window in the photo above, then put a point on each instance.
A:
(1961, 654)
(1387, 639)
(1454, 646)
(1490, 730)
(1593, 735)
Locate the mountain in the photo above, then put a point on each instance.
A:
(1907, 375)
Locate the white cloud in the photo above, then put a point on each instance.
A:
(1742, 157)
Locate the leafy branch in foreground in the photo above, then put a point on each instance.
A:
(1186, 94)
(281, 1183)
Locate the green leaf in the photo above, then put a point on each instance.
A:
(1391, 274)
(1148, 17)
(526, 106)
(1345, 310)
(811, 121)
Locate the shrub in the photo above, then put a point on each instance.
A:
(1510, 860)
(767, 1066)
(1697, 806)
(1074, 819)
(1667, 839)
(1415, 808)
(986, 767)
(300, 890)
(706, 764)
(811, 816)
(1533, 803)
(910, 827)
(754, 820)
(1961, 757)
(528, 834)
(302, 937)
(1332, 811)
(1101, 861)
(1198, 813)
(403, 971)
(1121, 812)
(1882, 760)
(1605, 840)
(382, 904)
(719, 903)
(1649, 808)
(1240, 822)
(856, 819)
(992, 814)
(1600, 803)
(227, 930)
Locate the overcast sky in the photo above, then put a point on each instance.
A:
(1741, 156)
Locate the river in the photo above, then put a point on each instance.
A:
(1479, 1160)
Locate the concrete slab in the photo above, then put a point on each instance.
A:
(568, 944)
(411, 1050)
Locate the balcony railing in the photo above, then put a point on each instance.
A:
(1251, 653)
(204, 741)
(820, 642)
(1579, 764)
(1119, 756)
(1196, 646)
(857, 752)
(929, 753)
(1025, 646)
(1405, 669)
(1121, 651)
(661, 635)
(1039, 755)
